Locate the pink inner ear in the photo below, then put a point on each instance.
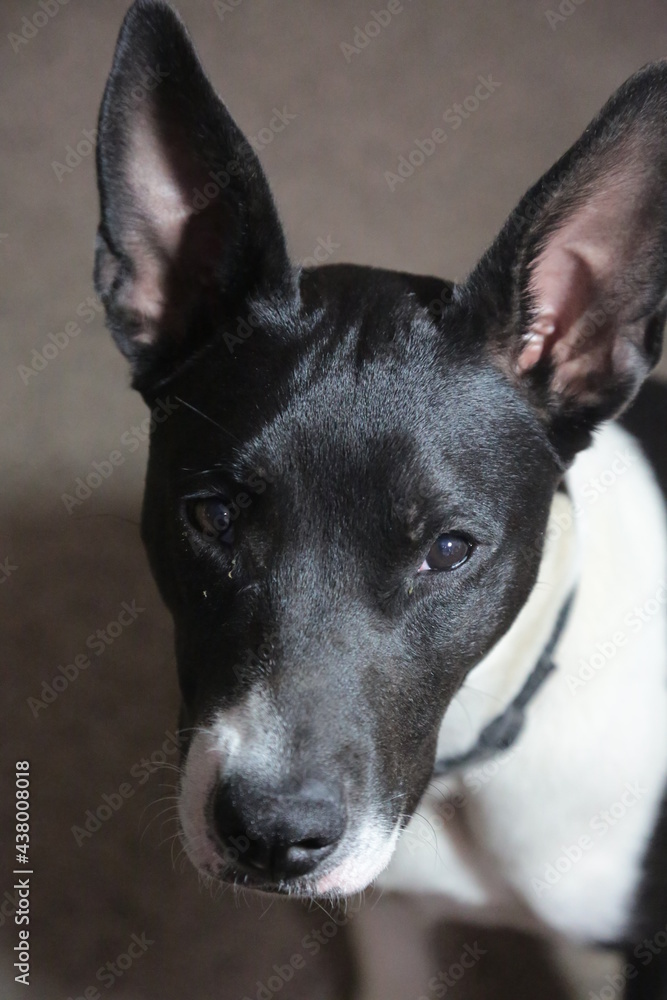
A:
(561, 288)
(153, 237)
(576, 273)
(156, 190)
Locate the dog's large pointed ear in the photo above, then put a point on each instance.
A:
(188, 226)
(573, 293)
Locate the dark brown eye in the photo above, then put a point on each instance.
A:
(213, 519)
(449, 552)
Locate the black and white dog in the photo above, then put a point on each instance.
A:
(395, 534)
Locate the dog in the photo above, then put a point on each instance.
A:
(401, 540)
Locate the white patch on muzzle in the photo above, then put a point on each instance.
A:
(250, 740)
(247, 739)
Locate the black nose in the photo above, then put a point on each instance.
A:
(281, 834)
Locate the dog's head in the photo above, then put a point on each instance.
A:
(350, 469)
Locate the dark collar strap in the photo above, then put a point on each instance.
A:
(501, 732)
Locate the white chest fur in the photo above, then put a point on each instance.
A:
(553, 831)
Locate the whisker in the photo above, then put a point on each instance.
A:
(205, 417)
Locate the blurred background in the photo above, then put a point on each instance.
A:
(331, 108)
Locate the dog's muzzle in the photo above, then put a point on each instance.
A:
(248, 819)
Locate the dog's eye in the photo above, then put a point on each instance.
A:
(213, 519)
(449, 552)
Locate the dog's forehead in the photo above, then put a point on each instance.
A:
(384, 407)
(352, 397)
(355, 393)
